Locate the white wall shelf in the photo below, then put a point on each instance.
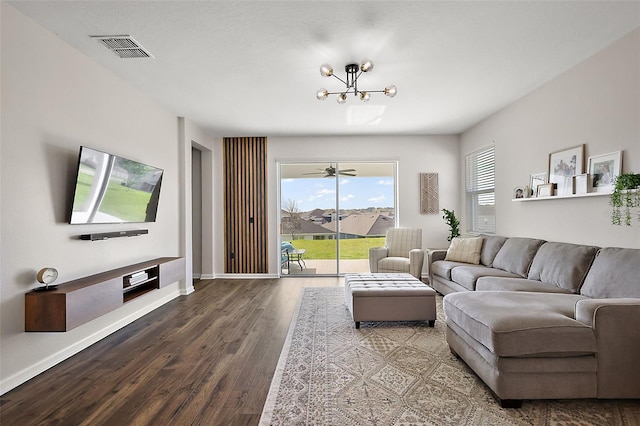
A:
(560, 197)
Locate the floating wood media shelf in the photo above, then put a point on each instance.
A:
(79, 301)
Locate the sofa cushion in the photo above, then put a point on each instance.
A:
(394, 264)
(516, 284)
(490, 247)
(615, 272)
(521, 324)
(516, 255)
(465, 250)
(561, 264)
(443, 268)
(467, 275)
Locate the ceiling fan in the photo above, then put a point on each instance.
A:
(331, 172)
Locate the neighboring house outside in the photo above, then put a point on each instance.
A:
(363, 225)
(318, 216)
(356, 225)
(303, 229)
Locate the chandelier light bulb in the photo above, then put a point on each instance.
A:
(390, 91)
(365, 96)
(326, 70)
(366, 65)
(322, 94)
(342, 98)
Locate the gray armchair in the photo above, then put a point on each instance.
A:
(402, 253)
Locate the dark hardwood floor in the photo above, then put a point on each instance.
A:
(207, 358)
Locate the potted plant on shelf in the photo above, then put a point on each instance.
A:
(453, 222)
(625, 198)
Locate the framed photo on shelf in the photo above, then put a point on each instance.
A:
(546, 190)
(535, 180)
(518, 192)
(563, 166)
(604, 169)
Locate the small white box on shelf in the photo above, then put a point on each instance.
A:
(582, 184)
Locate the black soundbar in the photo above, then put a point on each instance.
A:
(107, 235)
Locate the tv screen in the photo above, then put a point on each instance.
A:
(112, 189)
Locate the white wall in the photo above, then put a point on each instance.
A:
(596, 103)
(415, 154)
(54, 99)
(196, 205)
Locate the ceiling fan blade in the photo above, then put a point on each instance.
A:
(331, 172)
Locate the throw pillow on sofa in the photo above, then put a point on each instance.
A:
(465, 250)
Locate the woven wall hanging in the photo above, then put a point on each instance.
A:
(429, 193)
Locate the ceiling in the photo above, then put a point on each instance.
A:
(249, 68)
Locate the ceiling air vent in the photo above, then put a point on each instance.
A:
(124, 46)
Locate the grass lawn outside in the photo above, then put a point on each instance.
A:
(349, 249)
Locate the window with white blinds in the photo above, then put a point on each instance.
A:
(480, 191)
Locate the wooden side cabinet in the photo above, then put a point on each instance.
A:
(79, 301)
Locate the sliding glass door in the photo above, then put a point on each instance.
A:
(332, 213)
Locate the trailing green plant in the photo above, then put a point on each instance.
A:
(453, 222)
(625, 198)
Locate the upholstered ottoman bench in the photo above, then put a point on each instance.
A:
(389, 297)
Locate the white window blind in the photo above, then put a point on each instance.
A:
(480, 191)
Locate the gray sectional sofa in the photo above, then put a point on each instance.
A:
(545, 320)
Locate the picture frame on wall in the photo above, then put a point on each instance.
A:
(563, 166)
(536, 180)
(604, 169)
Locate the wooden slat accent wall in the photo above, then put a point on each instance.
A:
(245, 201)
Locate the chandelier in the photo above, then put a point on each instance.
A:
(354, 71)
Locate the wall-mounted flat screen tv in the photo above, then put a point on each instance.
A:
(112, 189)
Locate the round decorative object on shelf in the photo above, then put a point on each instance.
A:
(47, 276)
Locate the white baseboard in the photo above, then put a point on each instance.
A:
(30, 372)
(207, 277)
(246, 276)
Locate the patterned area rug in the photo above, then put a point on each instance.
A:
(397, 373)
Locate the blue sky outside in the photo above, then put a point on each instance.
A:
(354, 192)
